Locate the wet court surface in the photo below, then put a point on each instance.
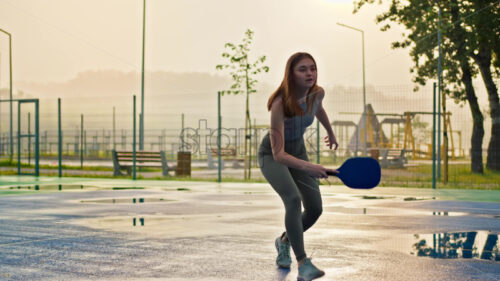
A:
(89, 229)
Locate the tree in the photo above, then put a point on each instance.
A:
(459, 46)
(486, 27)
(242, 72)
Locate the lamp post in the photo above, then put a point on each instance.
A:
(141, 121)
(364, 86)
(10, 93)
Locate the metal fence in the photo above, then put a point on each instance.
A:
(397, 118)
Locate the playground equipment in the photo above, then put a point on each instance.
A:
(409, 140)
(394, 137)
(376, 138)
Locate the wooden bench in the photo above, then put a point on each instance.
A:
(149, 159)
(393, 158)
(225, 153)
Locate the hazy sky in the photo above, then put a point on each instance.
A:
(53, 40)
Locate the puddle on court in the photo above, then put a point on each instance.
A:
(256, 192)
(335, 209)
(456, 245)
(449, 214)
(47, 187)
(374, 197)
(371, 197)
(477, 245)
(138, 200)
(167, 226)
(61, 187)
(418, 198)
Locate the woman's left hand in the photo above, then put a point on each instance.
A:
(330, 140)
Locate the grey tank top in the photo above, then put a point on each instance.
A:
(297, 125)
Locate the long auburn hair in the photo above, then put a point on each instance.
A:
(287, 88)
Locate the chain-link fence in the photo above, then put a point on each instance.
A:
(398, 128)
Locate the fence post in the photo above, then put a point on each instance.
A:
(317, 142)
(37, 139)
(59, 136)
(434, 137)
(114, 128)
(133, 144)
(219, 176)
(81, 142)
(29, 138)
(18, 138)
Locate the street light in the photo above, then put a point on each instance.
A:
(364, 87)
(141, 124)
(10, 94)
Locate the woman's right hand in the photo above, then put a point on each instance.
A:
(318, 171)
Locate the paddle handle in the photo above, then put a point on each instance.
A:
(332, 173)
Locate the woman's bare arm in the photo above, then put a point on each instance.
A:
(321, 113)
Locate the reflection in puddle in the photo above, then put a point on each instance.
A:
(127, 200)
(50, 187)
(467, 245)
(370, 197)
(418, 198)
(134, 221)
(373, 197)
(281, 274)
(449, 214)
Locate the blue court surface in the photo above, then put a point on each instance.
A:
(99, 229)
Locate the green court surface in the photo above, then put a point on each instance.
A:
(28, 184)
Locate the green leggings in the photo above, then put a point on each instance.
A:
(293, 186)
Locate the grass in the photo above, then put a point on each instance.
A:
(6, 163)
(459, 177)
(418, 176)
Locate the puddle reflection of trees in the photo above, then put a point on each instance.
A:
(458, 245)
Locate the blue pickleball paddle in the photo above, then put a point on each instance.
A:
(359, 172)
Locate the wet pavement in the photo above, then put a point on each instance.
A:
(95, 229)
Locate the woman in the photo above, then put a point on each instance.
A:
(283, 158)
